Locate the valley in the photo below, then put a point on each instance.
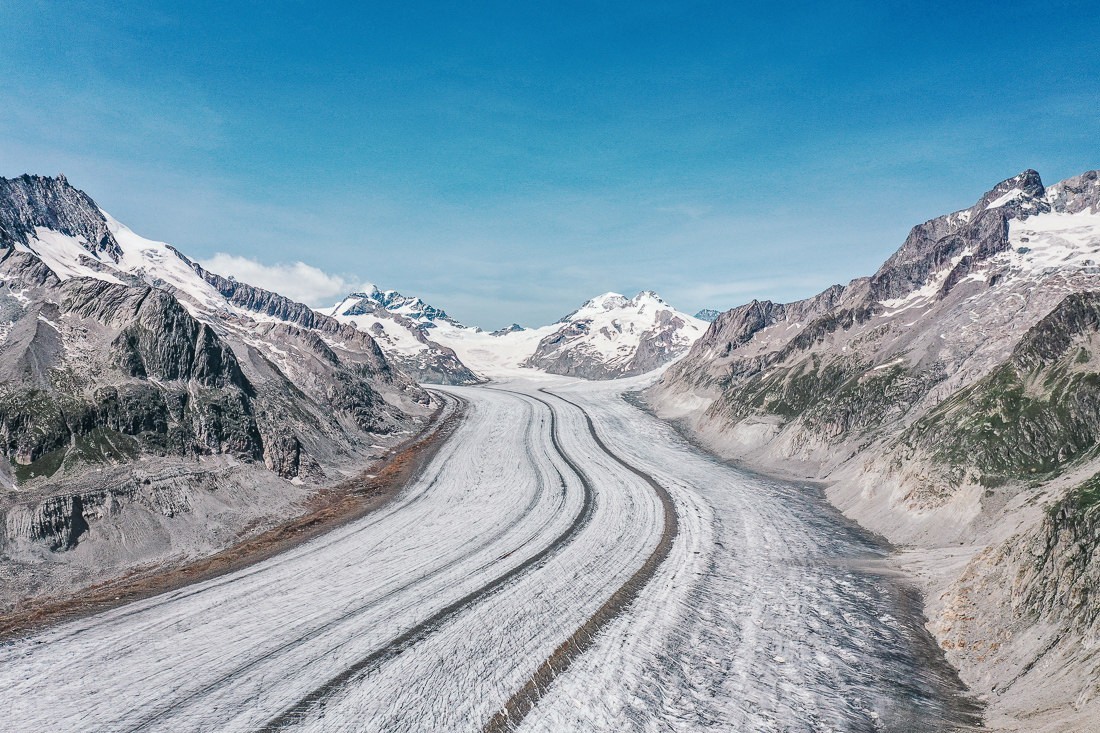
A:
(871, 509)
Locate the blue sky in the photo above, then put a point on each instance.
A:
(507, 162)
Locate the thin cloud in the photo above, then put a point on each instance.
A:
(296, 280)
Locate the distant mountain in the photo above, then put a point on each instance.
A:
(514, 328)
(609, 336)
(951, 400)
(401, 326)
(708, 315)
(615, 336)
(135, 383)
(413, 308)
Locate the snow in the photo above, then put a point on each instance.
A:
(156, 262)
(65, 255)
(1004, 199)
(393, 334)
(615, 327)
(488, 355)
(153, 262)
(1055, 241)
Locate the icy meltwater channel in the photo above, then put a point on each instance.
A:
(434, 612)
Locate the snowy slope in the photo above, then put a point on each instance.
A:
(154, 263)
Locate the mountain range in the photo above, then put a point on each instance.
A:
(148, 405)
(151, 409)
(609, 336)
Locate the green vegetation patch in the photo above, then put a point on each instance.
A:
(45, 465)
(1083, 499)
(1015, 425)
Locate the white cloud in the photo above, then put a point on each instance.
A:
(296, 280)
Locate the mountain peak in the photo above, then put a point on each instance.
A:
(31, 202)
(647, 295)
(1025, 185)
(514, 328)
(708, 314)
(412, 307)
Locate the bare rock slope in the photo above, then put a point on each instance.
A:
(952, 400)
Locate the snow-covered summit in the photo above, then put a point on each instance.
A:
(646, 300)
(615, 336)
(400, 326)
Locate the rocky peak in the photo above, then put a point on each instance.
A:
(514, 328)
(975, 233)
(28, 202)
(708, 315)
(412, 307)
(357, 304)
(1075, 195)
(1026, 185)
(607, 301)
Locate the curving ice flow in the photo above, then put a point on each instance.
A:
(431, 613)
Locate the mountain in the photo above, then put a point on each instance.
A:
(609, 336)
(952, 402)
(614, 336)
(708, 314)
(149, 407)
(401, 326)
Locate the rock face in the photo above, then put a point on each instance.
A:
(615, 336)
(945, 398)
(36, 201)
(115, 350)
